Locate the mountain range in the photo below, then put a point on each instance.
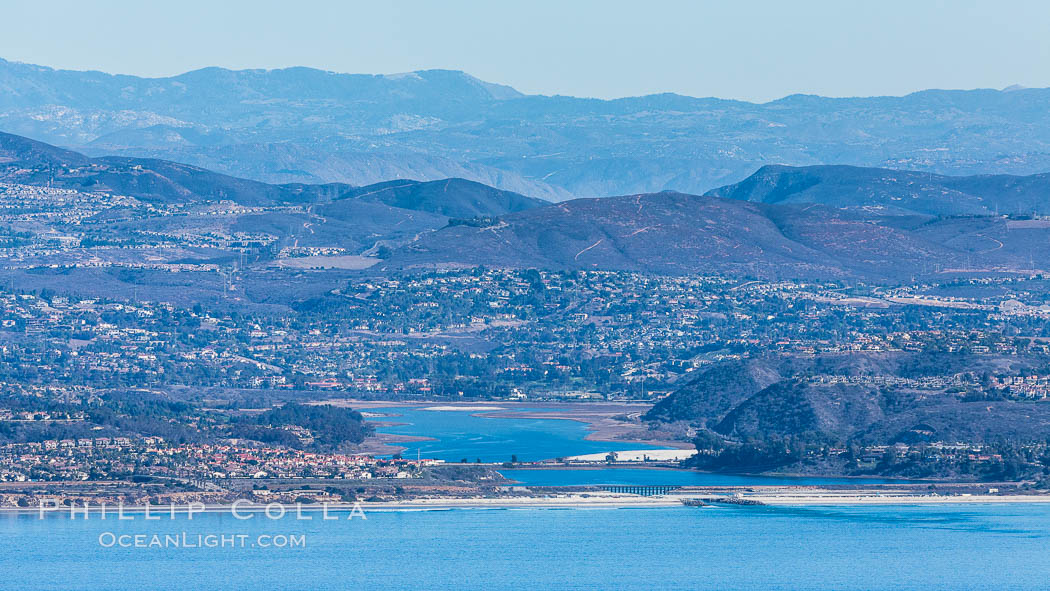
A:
(812, 222)
(300, 125)
(29, 162)
(675, 233)
(333, 215)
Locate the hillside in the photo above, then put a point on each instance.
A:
(859, 398)
(659, 233)
(333, 162)
(455, 198)
(28, 162)
(674, 233)
(312, 126)
(457, 222)
(893, 192)
(332, 218)
(716, 391)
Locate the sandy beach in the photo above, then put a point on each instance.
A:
(891, 499)
(593, 500)
(574, 500)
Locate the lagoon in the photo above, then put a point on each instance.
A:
(461, 434)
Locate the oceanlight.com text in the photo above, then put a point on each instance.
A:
(186, 540)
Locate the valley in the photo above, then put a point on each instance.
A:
(774, 328)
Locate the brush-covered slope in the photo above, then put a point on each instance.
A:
(674, 233)
(26, 161)
(30, 162)
(455, 198)
(863, 397)
(894, 192)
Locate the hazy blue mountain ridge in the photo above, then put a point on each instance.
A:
(26, 161)
(823, 222)
(305, 125)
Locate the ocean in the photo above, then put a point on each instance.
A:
(724, 548)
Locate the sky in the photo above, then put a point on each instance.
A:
(740, 49)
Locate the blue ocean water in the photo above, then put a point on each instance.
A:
(460, 435)
(638, 476)
(725, 548)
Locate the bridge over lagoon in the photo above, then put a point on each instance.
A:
(645, 490)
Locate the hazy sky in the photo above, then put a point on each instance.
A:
(608, 48)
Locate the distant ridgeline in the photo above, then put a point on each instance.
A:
(824, 222)
(300, 125)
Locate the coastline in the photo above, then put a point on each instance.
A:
(574, 500)
(902, 500)
(564, 501)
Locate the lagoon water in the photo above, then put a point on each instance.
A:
(460, 434)
(818, 548)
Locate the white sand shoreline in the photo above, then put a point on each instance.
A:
(842, 500)
(573, 501)
(612, 501)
